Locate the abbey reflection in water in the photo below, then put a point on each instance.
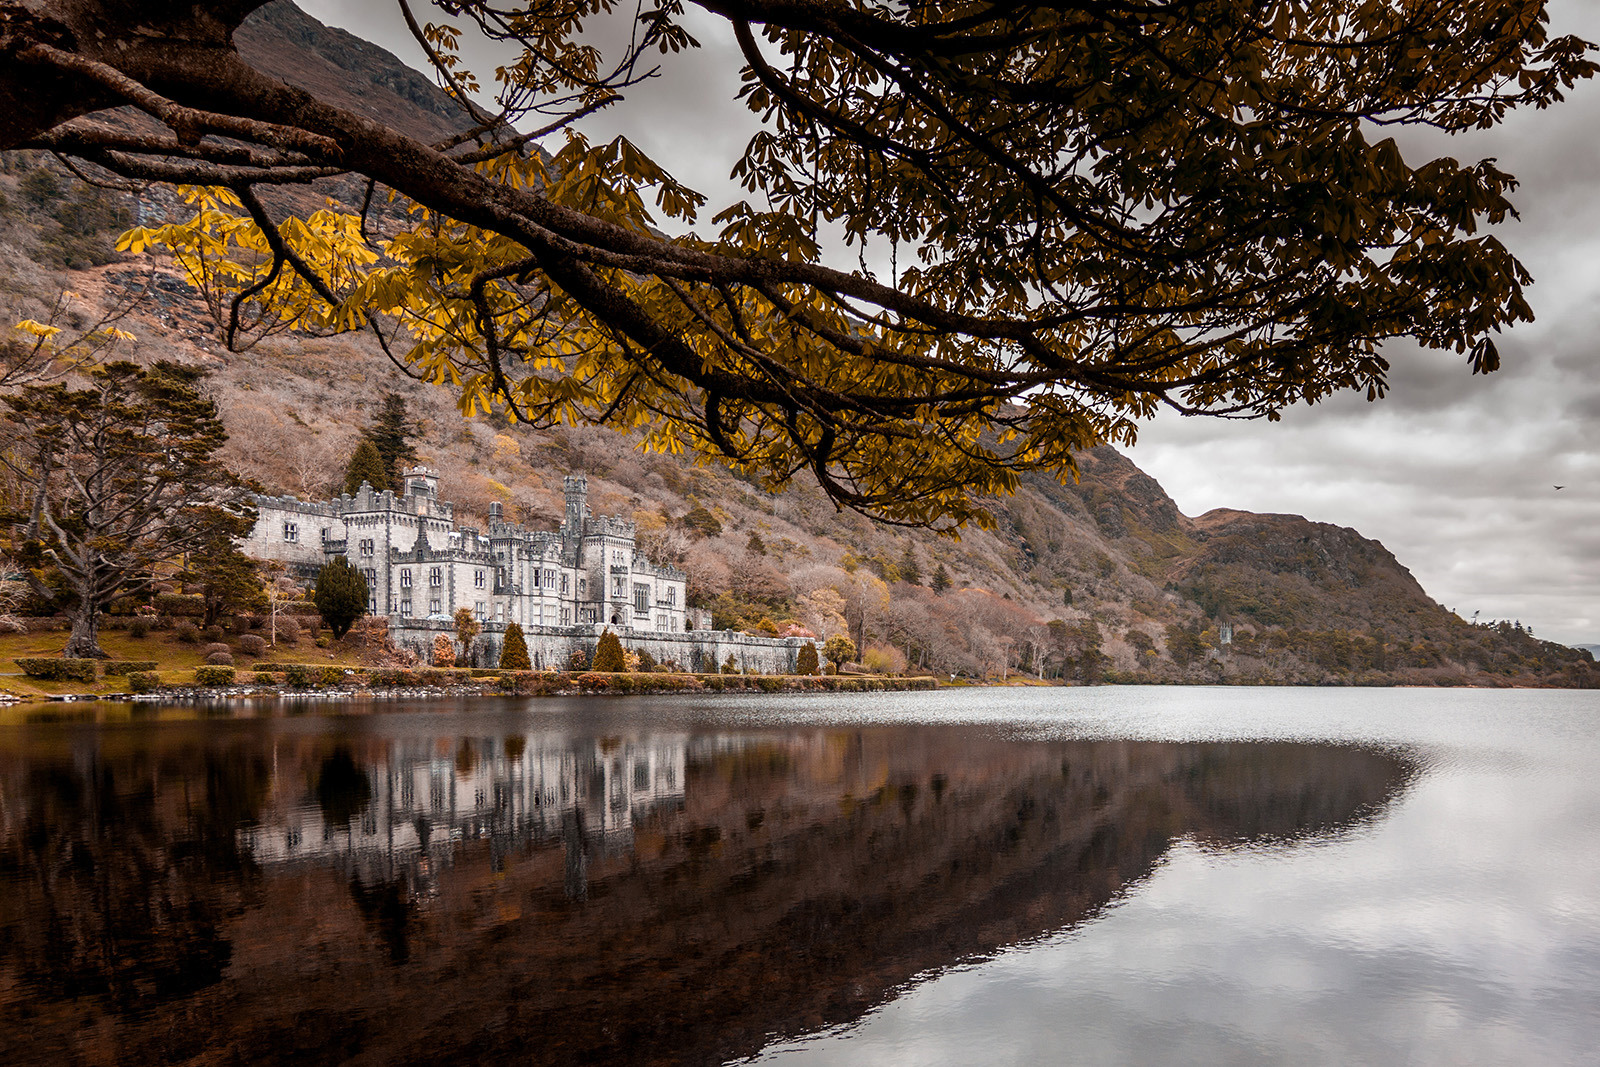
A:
(629, 898)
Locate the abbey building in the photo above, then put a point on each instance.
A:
(418, 566)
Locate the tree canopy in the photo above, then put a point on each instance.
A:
(1066, 216)
(115, 482)
(341, 595)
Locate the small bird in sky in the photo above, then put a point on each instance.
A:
(1559, 488)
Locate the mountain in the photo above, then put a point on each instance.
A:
(1101, 577)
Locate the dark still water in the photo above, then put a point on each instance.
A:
(1011, 877)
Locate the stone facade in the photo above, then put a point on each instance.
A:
(564, 588)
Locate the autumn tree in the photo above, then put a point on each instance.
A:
(366, 465)
(838, 650)
(806, 661)
(340, 595)
(514, 650)
(122, 479)
(1065, 217)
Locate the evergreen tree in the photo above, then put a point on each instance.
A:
(755, 544)
(116, 478)
(941, 580)
(608, 654)
(366, 465)
(514, 652)
(806, 662)
(444, 651)
(910, 572)
(227, 577)
(390, 434)
(467, 628)
(340, 596)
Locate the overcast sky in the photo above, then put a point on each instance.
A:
(1454, 473)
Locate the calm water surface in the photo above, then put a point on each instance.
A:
(995, 877)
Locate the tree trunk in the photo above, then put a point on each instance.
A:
(85, 640)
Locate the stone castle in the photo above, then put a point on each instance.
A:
(564, 588)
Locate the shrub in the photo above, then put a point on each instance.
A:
(215, 674)
(181, 605)
(253, 645)
(514, 652)
(220, 659)
(144, 681)
(579, 660)
(331, 675)
(444, 651)
(216, 646)
(138, 626)
(187, 632)
(257, 622)
(323, 641)
(265, 677)
(391, 678)
(213, 634)
(288, 635)
(341, 595)
(58, 670)
(608, 655)
(296, 676)
(128, 666)
(806, 662)
(647, 662)
(730, 667)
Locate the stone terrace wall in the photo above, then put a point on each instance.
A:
(552, 646)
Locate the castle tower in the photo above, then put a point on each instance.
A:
(577, 489)
(421, 481)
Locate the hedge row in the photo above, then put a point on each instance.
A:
(58, 670)
(214, 675)
(128, 666)
(540, 683)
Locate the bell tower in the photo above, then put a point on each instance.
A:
(577, 490)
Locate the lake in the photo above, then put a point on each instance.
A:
(1018, 876)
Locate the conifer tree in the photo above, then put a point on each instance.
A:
(806, 662)
(390, 433)
(514, 651)
(608, 654)
(467, 628)
(755, 544)
(340, 596)
(941, 580)
(910, 572)
(366, 465)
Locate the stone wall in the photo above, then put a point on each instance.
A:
(552, 646)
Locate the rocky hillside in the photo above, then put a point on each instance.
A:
(1101, 577)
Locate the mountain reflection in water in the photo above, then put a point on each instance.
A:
(394, 893)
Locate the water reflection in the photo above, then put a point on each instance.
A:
(318, 891)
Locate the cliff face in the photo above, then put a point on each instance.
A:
(1135, 586)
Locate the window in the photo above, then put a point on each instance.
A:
(291, 531)
(583, 586)
(663, 622)
(324, 532)
(435, 576)
(405, 578)
(617, 587)
(564, 585)
(480, 609)
(566, 616)
(434, 607)
(672, 595)
(616, 555)
(641, 599)
(366, 547)
(549, 579)
(590, 615)
(479, 579)
(405, 608)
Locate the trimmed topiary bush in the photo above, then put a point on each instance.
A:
(213, 634)
(144, 681)
(514, 652)
(138, 626)
(296, 676)
(181, 605)
(253, 645)
(214, 675)
(58, 670)
(444, 651)
(807, 662)
(220, 659)
(608, 654)
(217, 646)
(187, 632)
(265, 678)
